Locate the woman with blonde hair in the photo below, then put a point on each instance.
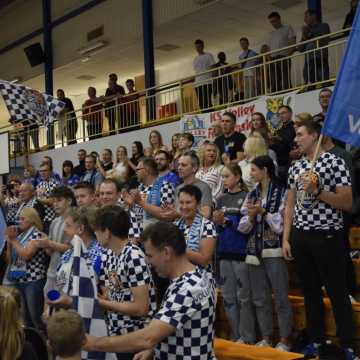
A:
(28, 264)
(13, 345)
(210, 168)
(175, 152)
(156, 142)
(122, 168)
(254, 146)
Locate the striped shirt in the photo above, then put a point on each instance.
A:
(212, 176)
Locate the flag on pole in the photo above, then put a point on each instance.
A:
(342, 121)
(25, 103)
(83, 290)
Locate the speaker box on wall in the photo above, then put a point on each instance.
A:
(35, 54)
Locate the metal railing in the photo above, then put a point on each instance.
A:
(309, 64)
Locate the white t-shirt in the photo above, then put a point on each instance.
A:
(200, 64)
(121, 169)
(280, 38)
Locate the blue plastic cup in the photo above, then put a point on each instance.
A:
(53, 295)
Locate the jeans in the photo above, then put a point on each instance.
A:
(33, 299)
(232, 274)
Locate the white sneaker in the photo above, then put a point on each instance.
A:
(282, 347)
(240, 341)
(352, 299)
(263, 343)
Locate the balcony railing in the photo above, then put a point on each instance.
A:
(306, 65)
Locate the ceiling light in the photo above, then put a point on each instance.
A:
(92, 47)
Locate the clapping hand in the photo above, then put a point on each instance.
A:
(11, 233)
(254, 209)
(127, 198)
(218, 217)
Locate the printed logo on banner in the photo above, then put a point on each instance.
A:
(36, 102)
(196, 126)
(272, 116)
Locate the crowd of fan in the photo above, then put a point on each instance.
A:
(225, 209)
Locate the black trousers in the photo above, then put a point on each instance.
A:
(71, 130)
(280, 74)
(94, 129)
(125, 356)
(316, 67)
(320, 259)
(203, 94)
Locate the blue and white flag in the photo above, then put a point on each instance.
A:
(28, 104)
(343, 116)
(83, 290)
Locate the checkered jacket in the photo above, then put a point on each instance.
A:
(189, 306)
(167, 196)
(120, 273)
(331, 172)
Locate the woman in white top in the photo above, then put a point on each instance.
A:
(254, 146)
(121, 168)
(210, 168)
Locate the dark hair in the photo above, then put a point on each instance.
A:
(231, 115)
(67, 163)
(150, 165)
(244, 39)
(61, 90)
(167, 155)
(273, 14)
(325, 90)
(109, 151)
(263, 162)
(46, 164)
(312, 12)
(195, 161)
(113, 75)
(191, 190)
(84, 185)
(311, 126)
(83, 150)
(139, 147)
(188, 136)
(163, 234)
(113, 218)
(65, 193)
(199, 42)
(286, 107)
(130, 80)
(112, 181)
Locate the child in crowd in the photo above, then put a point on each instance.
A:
(231, 249)
(58, 241)
(127, 289)
(66, 334)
